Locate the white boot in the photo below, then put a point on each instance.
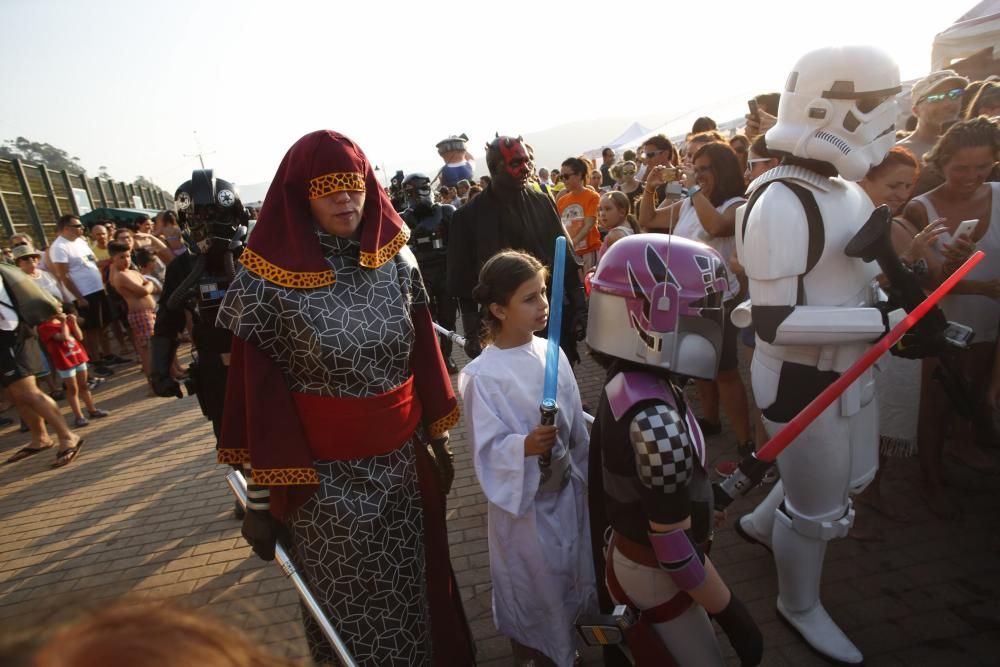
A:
(756, 526)
(800, 566)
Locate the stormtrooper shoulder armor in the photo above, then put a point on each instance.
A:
(773, 241)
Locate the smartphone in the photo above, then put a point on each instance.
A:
(958, 335)
(752, 105)
(965, 227)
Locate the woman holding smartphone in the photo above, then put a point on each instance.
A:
(708, 215)
(965, 155)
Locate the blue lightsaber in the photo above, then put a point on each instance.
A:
(549, 407)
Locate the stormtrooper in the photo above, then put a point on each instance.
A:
(428, 223)
(814, 311)
(656, 319)
(214, 222)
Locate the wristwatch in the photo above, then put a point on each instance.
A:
(693, 191)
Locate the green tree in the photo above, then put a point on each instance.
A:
(40, 153)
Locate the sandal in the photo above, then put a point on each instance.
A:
(27, 451)
(66, 456)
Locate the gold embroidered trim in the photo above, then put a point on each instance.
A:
(283, 277)
(373, 260)
(338, 181)
(232, 457)
(445, 423)
(285, 476)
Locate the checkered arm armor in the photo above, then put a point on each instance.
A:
(664, 458)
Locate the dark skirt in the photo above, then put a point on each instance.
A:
(359, 544)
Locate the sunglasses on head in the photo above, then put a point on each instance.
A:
(952, 94)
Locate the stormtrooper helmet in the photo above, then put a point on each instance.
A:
(838, 106)
(657, 300)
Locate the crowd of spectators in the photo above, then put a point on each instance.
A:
(695, 189)
(107, 280)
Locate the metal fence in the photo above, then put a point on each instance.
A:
(33, 197)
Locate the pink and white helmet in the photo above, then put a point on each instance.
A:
(657, 300)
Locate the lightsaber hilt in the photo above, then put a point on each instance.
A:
(457, 338)
(239, 488)
(549, 410)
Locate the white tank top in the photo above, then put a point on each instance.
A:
(979, 312)
(690, 227)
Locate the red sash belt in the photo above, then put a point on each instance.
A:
(339, 429)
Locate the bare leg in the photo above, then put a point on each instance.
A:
(36, 425)
(88, 398)
(102, 341)
(708, 396)
(733, 396)
(26, 392)
(935, 411)
(73, 396)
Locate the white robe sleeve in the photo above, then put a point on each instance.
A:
(497, 452)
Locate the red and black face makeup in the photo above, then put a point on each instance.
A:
(516, 160)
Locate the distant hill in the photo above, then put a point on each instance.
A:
(551, 145)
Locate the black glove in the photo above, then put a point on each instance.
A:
(161, 356)
(262, 532)
(742, 631)
(166, 387)
(578, 306)
(444, 462)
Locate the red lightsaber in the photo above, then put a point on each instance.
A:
(753, 467)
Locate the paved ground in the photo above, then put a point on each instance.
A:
(144, 511)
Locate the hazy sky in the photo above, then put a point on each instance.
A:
(128, 84)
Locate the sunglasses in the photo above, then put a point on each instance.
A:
(754, 160)
(651, 154)
(75, 226)
(953, 94)
(567, 175)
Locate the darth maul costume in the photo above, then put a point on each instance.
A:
(509, 215)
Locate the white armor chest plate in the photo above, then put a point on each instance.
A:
(839, 280)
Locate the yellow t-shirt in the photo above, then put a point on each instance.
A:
(574, 207)
(100, 254)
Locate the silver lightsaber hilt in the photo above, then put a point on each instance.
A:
(457, 338)
(549, 409)
(239, 487)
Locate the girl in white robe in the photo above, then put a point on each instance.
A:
(539, 534)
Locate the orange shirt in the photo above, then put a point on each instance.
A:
(573, 208)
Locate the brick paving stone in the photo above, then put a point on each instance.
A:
(144, 512)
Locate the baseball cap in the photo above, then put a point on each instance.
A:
(934, 80)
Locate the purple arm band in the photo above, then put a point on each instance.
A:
(679, 558)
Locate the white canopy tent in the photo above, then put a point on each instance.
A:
(626, 139)
(977, 29)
